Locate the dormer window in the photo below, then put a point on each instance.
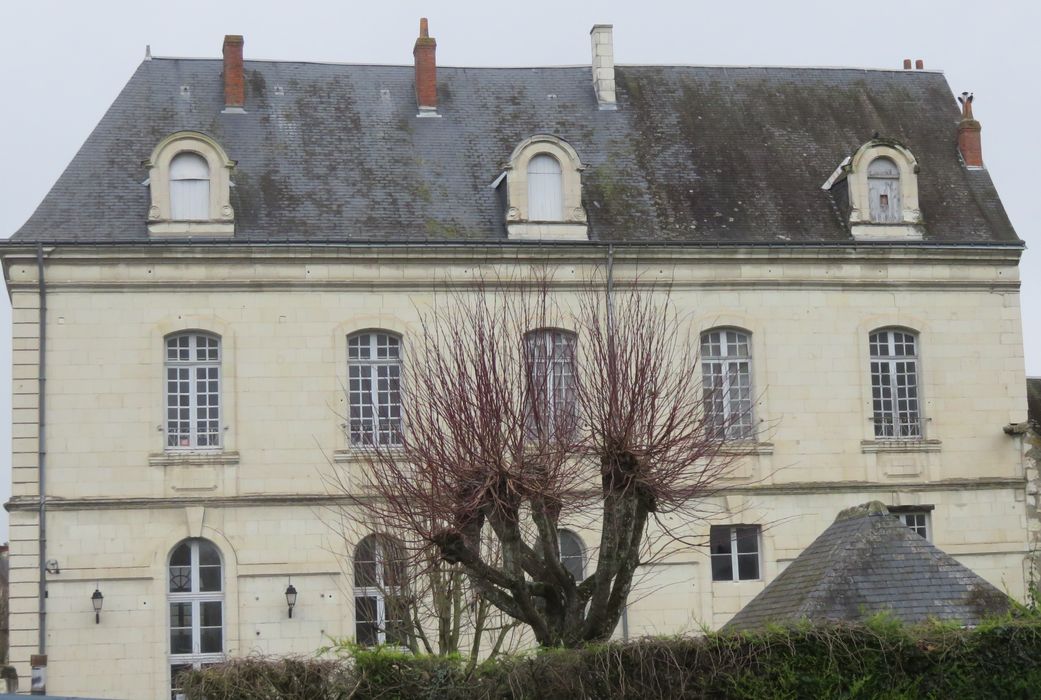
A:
(189, 179)
(189, 188)
(879, 185)
(544, 191)
(884, 192)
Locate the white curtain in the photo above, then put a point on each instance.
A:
(189, 188)
(545, 191)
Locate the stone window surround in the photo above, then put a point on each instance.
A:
(573, 226)
(856, 172)
(222, 217)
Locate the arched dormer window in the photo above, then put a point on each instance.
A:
(883, 178)
(880, 181)
(189, 177)
(189, 187)
(544, 191)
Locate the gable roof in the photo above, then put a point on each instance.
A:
(703, 155)
(865, 563)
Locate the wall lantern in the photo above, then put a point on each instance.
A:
(291, 598)
(97, 600)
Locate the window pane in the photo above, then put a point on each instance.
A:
(180, 579)
(747, 540)
(210, 640)
(722, 568)
(209, 579)
(747, 566)
(365, 620)
(365, 634)
(719, 539)
(210, 613)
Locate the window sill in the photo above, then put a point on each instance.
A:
(748, 448)
(360, 454)
(877, 446)
(192, 459)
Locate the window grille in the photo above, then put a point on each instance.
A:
(193, 391)
(195, 597)
(374, 388)
(726, 373)
(894, 385)
(380, 578)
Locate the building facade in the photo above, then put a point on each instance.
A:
(227, 277)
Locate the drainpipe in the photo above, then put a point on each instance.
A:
(41, 454)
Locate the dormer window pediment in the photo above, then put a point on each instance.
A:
(881, 181)
(189, 176)
(544, 191)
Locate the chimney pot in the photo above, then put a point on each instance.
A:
(969, 142)
(424, 54)
(907, 64)
(919, 64)
(234, 74)
(602, 40)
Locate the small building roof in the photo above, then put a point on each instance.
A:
(868, 562)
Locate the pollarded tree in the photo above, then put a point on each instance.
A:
(524, 412)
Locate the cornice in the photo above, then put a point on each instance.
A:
(24, 503)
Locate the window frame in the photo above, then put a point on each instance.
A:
(915, 431)
(382, 590)
(922, 514)
(373, 363)
(195, 598)
(580, 558)
(543, 389)
(733, 555)
(743, 429)
(193, 364)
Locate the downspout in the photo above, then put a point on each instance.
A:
(41, 454)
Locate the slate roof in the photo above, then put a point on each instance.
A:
(865, 563)
(705, 155)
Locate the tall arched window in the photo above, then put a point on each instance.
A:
(894, 384)
(374, 388)
(545, 189)
(189, 188)
(379, 587)
(195, 593)
(726, 374)
(193, 391)
(884, 205)
(552, 400)
(572, 554)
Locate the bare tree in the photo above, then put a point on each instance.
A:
(514, 427)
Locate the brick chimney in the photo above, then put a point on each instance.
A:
(234, 75)
(907, 64)
(969, 142)
(601, 37)
(426, 71)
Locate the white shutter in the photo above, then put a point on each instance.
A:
(189, 188)
(545, 191)
(884, 192)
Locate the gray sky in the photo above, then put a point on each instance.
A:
(62, 64)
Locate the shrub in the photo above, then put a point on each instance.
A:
(878, 659)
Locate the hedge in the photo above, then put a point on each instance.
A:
(880, 659)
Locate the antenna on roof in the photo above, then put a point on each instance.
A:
(148, 52)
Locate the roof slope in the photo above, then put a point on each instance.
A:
(696, 154)
(865, 563)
